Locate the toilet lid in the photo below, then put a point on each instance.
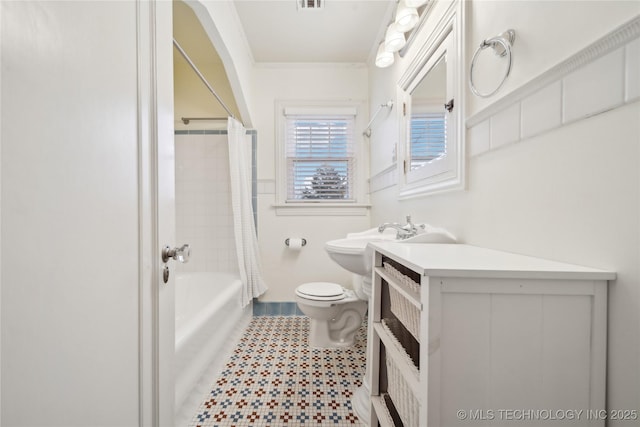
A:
(315, 298)
(322, 291)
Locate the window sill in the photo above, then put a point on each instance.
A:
(321, 209)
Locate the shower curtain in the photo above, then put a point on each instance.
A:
(244, 227)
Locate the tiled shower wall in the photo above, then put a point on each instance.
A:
(204, 217)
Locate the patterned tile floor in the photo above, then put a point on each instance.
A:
(273, 378)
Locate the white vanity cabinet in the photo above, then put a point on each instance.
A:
(463, 336)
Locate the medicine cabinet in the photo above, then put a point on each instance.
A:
(431, 132)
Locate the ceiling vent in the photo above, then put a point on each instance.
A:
(310, 4)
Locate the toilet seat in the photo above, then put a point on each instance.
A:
(321, 291)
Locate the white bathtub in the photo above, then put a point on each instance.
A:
(209, 321)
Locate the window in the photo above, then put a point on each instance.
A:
(319, 168)
(320, 158)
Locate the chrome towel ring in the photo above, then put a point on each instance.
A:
(501, 45)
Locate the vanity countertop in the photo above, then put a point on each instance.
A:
(457, 260)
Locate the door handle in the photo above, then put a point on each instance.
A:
(180, 254)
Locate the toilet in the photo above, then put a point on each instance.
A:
(335, 313)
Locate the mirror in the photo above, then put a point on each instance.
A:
(427, 123)
(432, 152)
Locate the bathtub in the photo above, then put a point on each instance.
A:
(209, 321)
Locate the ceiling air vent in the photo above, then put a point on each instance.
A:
(310, 4)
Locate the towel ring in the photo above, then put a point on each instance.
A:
(501, 45)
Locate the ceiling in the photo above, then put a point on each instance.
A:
(343, 31)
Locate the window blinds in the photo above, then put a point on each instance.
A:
(428, 138)
(320, 157)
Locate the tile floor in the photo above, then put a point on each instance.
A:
(273, 378)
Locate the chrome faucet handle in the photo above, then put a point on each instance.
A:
(410, 226)
(409, 221)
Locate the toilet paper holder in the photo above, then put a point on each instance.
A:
(304, 241)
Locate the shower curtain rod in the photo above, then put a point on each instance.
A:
(186, 120)
(206, 83)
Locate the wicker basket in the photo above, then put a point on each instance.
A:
(404, 342)
(406, 312)
(405, 280)
(385, 407)
(403, 398)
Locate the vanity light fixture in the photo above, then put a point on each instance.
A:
(415, 3)
(406, 17)
(405, 20)
(394, 39)
(384, 58)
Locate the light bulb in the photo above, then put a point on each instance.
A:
(394, 39)
(406, 17)
(384, 58)
(415, 3)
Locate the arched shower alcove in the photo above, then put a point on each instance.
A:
(209, 316)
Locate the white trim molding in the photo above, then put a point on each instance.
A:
(332, 209)
(598, 78)
(0, 215)
(384, 179)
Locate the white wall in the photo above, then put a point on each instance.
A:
(571, 194)
(285, 269)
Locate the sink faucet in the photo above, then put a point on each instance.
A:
(402, 231)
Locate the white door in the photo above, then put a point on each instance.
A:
(86, 204)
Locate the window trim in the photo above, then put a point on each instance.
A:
(358, 205)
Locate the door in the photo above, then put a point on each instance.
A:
(87, 202)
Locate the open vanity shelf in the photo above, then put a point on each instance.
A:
(462, 334)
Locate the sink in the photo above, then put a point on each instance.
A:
(431, 235)
(352, 253)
